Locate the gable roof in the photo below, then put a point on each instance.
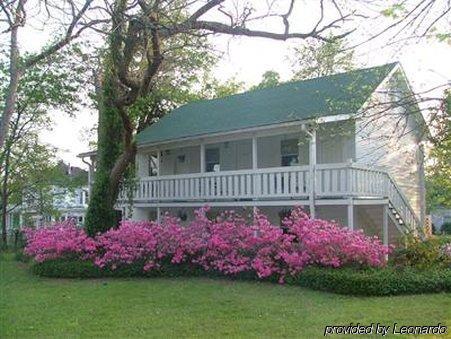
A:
(343, 93)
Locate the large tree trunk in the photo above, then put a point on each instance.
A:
(11, 93)
(101, 215)
(5, 197)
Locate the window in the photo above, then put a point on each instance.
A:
(80, 197)
(290, 152)
(153, 166)
(212, 160)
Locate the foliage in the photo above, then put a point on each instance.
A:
(446, 228)
(347, 280)
(321, 58)
(376, 282)
(438, 171)
(269, 79)
(409, 18)
(423, 254)
(226, 245)
(27, 178)
(67, 268)
(100, 215)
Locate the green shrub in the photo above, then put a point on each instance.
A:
(351, 281)
(21, 256)
(421, 254)
(375, 282)
(446, 228)
(67, 268)
(75, 268)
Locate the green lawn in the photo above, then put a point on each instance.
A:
(33, 307)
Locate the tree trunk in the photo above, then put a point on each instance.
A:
(101, 215)
(5, 198)
(11, 93)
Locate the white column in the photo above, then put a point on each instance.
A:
(158, 162)
(351, 214)
(254, 166)
(254, 153)
(385, 224)
(312, 165)
(90, 178)
(202, 169)
(158, 215)
(202, 158)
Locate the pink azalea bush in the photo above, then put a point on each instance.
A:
(228, 245)
(329, 244)
(57, 241)
(143, 241)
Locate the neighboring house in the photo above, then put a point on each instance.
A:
(67, 203)
(323, 144)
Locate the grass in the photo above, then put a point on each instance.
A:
(32, 307)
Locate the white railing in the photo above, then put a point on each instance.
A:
(331, 181)
(246, 184)
(372, 182)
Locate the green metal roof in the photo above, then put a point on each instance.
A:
(336, 94)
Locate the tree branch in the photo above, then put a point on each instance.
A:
(68, 37)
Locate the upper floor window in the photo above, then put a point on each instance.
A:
(290, 152)
(152, 165)
(212, 159)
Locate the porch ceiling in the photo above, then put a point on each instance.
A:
(331, 95)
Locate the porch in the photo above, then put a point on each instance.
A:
(346, 184)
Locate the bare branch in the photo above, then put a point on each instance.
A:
(68, 37)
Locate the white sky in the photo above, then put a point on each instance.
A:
(427, 64)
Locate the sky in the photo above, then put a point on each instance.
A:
(426, 62)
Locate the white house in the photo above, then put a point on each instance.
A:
(335, 145)
(66, 203)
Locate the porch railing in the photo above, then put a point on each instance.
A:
(331, 181)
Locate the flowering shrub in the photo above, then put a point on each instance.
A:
(143, 241)
(328, 244)
(227, 245)
(59, 240)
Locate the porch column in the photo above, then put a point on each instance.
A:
(202, 158)
(385, 224)
(254, 167)
(91, 167)
(202, 170)
(351, 214)
(254, 153)
(158, 191)
(158, 215)
(158, 162)
(312, 170)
